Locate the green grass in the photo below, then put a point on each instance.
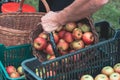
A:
(110, 12)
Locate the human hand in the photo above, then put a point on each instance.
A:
(49, 22)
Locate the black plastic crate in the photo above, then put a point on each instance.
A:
(103, 54)
(89, 60)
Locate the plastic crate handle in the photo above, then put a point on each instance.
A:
(43, 1)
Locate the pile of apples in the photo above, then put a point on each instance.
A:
(107, 73)
(68, 38)
(14, 72)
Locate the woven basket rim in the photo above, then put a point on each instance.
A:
(22, 14)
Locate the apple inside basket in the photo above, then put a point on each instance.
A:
(68, 38)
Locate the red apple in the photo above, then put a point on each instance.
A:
(56, 37)
(40, 43)
(117, 68)
(86, 77)
(61, 33)
(49, 49)
(107, 70)
(77, 34)
(43, 35)
(68, 37)
(20, 70)
(10, 69)
(62, 45)
(114, 76)
(79, 44)
(70, 26)
(15, 75)
(101, 77)
(88, 38)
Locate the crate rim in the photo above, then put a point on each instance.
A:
(116, 31)
(28, 70)
(71, 54)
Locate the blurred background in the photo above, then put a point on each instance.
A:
(110, 12)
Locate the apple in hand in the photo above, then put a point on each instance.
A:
(101, 77)
(117, 68)
(88, 38)
(15, 75)
(114, 76)
(86, 77)
(107, 70)
(40, 43)
(10, 69)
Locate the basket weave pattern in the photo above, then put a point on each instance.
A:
(41, 55)
(16, 27)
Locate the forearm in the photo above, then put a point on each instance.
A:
(80, 9)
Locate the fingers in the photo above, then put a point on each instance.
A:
(49, 22)
(49, 27)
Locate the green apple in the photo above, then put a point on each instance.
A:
(101, 77)
(87, 77)
(115, 76)
(20, 70)
(107, 70)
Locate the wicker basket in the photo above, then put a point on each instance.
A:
(16, 27)
(42, 55)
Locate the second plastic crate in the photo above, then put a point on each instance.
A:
(13, 55)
